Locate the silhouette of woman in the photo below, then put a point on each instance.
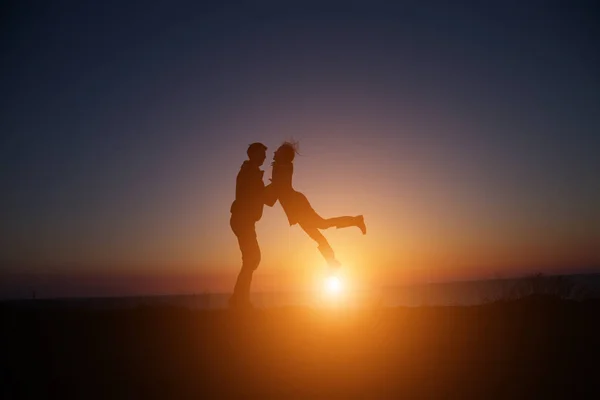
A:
(297, 207)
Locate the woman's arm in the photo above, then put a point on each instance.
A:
(270, 195)
(282, 175)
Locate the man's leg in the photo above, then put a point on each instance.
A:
(248, 242)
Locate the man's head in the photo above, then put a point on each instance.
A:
(257, 153)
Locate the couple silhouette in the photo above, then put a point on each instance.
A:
(251, 195)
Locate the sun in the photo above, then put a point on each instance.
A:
(333, 285)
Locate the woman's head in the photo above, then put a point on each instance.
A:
(286, 152)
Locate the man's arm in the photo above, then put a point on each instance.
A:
(270, 195)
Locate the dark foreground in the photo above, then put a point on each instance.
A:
(531, 348)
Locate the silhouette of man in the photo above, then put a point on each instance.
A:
(246, 210)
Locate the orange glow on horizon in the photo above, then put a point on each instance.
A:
(420, 229)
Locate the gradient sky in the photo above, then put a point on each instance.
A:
(467, 134)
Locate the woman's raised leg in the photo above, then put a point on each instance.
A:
(342, 222)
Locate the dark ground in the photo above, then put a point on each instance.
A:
(530, 348)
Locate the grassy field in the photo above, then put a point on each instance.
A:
(534, 347)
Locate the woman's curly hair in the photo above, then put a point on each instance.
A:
(289, 149)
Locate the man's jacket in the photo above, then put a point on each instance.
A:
(249, 193)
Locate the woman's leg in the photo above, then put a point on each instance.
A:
(324, 246)
(341, 222)
(312, 219)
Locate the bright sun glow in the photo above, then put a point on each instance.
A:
(333, 285)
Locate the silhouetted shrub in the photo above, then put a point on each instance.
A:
(558, 286)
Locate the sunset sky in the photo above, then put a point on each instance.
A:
(468, 136)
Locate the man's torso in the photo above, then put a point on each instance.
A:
(249, 194)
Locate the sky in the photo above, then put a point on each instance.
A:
(466, 133)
